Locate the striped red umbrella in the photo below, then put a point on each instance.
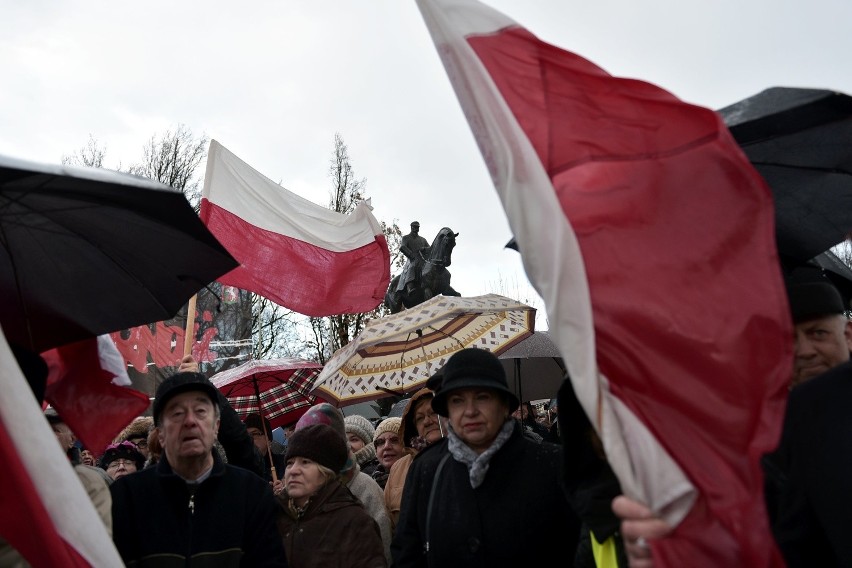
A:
(278, 389)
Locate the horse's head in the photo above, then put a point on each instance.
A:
(441, 250)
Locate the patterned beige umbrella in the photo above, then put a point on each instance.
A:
(396, 354)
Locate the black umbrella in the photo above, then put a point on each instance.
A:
(800, 140)
(534, 367)
(85, 252)
(827, 266)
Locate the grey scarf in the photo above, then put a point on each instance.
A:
(477, 464)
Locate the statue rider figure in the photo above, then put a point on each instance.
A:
(410, 246)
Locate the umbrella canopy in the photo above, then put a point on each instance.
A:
(800, 140)
(85, 252)
(396, 354)
(278, 389)
(837, 272)
(534, 367)
(398, 408)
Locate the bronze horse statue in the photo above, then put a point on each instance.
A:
(426, 277)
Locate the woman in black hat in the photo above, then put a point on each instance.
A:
(122, 459)
(486, 495)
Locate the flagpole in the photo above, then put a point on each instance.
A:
(189, 334)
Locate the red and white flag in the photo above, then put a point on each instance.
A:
(298, 254)
(650, 238)
(44, 511)
(87, 384)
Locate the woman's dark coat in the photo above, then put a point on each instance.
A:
(518, 516)
(334, 532)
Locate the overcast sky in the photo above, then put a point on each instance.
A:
(273, 81)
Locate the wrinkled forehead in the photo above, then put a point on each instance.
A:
(189, 398)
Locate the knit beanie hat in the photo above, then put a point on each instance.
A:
(361, 427)
(388, 425)
(319, 443)
(324, 413)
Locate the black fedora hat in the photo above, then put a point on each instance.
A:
(472, 368)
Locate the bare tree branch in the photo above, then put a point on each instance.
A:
(90, 155)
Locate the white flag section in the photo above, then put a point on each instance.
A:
(551, 256)
(301, 255)
(112, 361)
(45, 510)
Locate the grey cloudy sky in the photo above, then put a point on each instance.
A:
(273, 81)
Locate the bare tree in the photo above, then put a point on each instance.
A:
(844, 252)
(274, 331)
(90, 155)
(330, 333)
(173, 159)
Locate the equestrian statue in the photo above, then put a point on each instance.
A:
(425, 274)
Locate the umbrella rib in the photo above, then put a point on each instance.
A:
(804, 168)
(444, 333)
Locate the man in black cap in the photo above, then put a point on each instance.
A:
(823, 334)
(192, 506)
(809, 489)
(260, 430)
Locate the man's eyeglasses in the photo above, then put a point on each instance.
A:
(140, 443)
(115, 464)
(392, 440)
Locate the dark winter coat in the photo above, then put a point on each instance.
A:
(812, 473)
(228, 522)
(519, 516)
(334, 532)
(590, 483)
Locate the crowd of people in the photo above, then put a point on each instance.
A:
(468, 475)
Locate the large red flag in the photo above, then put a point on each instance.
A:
(44, 511)
(651, 240)
(298, 254)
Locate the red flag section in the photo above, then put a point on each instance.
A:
(80, 387)
(298, 254)
(45, 513)
(650, 238)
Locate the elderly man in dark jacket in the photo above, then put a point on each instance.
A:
(192, 509)
(486, 495)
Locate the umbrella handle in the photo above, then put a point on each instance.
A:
(190, 326)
